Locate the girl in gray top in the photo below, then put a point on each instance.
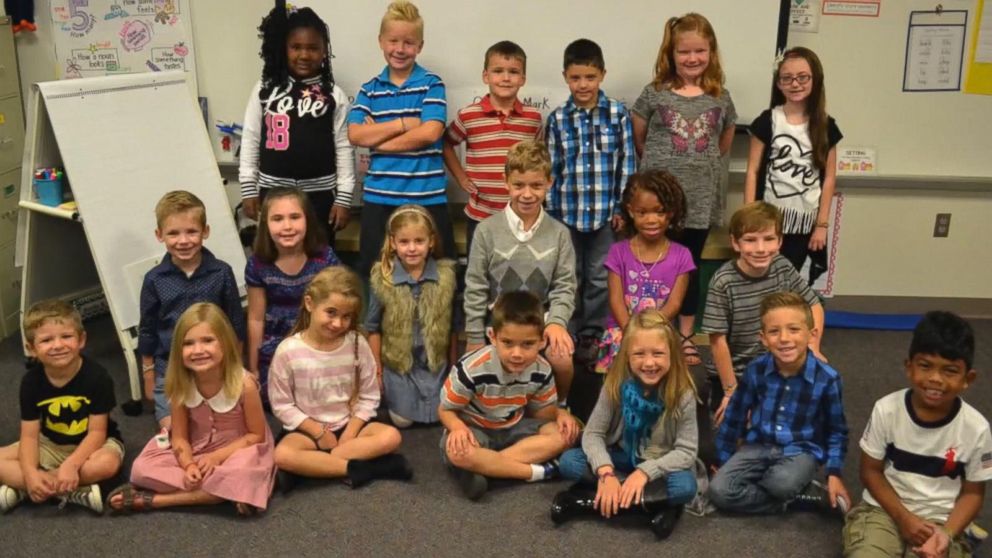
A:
(684, 123)
(639, 445)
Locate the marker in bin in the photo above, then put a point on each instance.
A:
(48, 186)
(48, 174)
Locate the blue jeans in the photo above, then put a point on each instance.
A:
(761, 479)
(677, 488)
(591, 296)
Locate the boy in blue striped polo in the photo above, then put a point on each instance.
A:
(400, 116)
(591, 141)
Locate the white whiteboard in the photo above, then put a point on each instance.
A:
(125, 141)
(941, 135)
(457, 33)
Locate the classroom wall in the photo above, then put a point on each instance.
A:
(886, 247)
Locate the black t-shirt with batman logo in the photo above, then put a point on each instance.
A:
(65, 411)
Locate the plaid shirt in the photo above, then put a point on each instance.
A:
(802, 413)
(592, 154)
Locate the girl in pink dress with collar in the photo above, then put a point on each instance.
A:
(220, 448)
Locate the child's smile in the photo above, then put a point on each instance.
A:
(305, 52)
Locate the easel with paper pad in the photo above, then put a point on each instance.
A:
(123, 141)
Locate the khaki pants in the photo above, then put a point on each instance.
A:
(869, 532)
(51, 455)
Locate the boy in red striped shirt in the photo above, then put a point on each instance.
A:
(498, 403)
(489, 128)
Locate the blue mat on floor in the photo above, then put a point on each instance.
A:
(855, 320)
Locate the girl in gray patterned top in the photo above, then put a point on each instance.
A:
(684, 123)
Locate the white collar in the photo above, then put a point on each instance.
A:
(517, 224)
(220, 403)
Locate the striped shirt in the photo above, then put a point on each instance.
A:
(488, 134)
(488, 396)
(592, 154)
(411, 176)
(733, 306)
(801, 414)
(926, 461)
(309, 383)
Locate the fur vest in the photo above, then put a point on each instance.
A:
(432, 308)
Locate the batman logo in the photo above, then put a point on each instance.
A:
(68, 404)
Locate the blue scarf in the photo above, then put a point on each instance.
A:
(640, 414)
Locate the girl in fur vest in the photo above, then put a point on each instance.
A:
(410, 316)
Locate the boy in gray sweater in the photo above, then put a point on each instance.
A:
(523, 248)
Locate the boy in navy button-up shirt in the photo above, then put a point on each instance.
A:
(189, 274)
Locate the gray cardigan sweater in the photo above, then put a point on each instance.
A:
(544, 265)
(671, 446)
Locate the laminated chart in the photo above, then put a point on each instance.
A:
(97, 38)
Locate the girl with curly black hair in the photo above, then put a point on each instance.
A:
(295, 129)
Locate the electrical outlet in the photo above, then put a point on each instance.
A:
(942, 225)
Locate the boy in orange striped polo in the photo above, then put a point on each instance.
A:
(498, 405)
(489, 128)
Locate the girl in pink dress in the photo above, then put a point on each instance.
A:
(221, 446)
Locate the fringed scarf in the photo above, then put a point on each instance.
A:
(640, 414)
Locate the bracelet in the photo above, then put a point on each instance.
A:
(402, 124)
(148, 367)
(606, 475)
(823, 225)
(728, 390)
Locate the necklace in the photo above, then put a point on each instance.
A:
(646, 271)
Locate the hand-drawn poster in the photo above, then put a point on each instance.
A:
(103, 37)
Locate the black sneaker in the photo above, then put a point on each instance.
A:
(814, 498)
(473, 485)
(663, 523)
(286, 481)
(552, 469)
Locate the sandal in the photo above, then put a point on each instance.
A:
(133, 499)
(690, 352)
(245, 510)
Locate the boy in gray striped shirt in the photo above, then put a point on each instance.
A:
(732, 317)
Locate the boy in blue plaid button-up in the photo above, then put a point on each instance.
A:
(796, 422)
(592, 153)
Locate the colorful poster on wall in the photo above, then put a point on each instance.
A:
(121, 37)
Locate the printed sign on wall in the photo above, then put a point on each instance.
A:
(128, 36)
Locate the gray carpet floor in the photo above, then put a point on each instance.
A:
(428, 516)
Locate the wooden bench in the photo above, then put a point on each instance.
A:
(717, 244)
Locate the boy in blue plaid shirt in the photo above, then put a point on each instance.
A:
(592, 153)
(796, 423)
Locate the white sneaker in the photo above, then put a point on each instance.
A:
(10, 497)
(86, 496)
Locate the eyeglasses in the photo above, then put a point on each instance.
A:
(801, 79)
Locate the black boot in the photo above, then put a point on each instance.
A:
(663, 522)
(574, 502)
(391, 466)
